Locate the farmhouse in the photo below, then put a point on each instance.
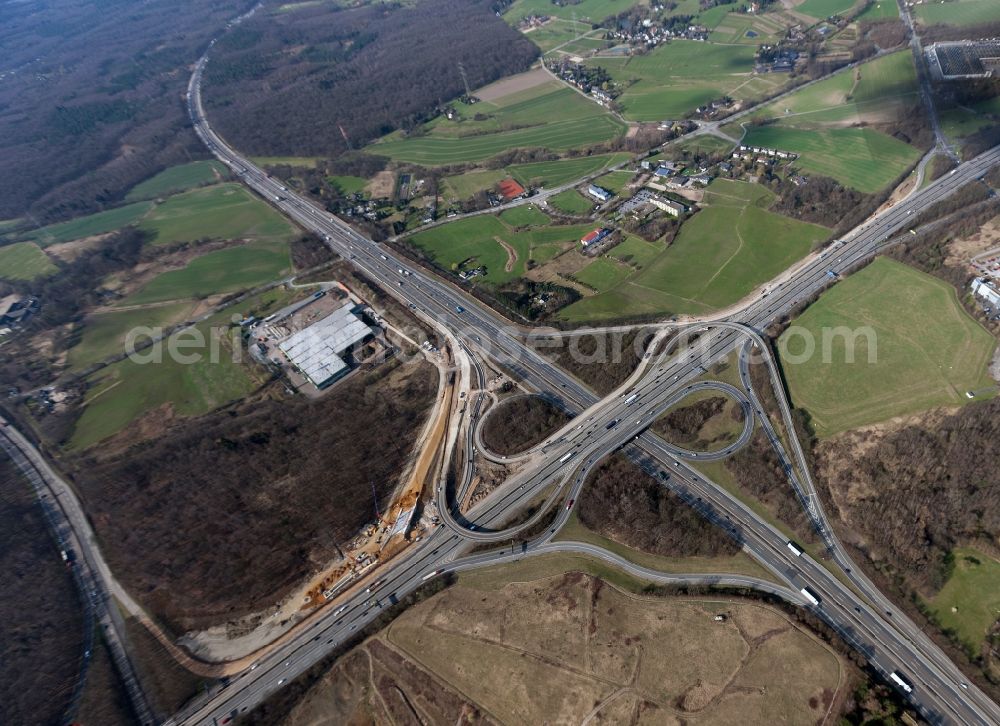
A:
(599, 193)
(594, 237)
(510, 189)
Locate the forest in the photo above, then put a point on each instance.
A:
(323, 79)
(917, 492)
(92, 98)
(222, 515)
(622, 502)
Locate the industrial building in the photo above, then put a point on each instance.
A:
(599, 193)
(317, 351)
(985, 291)
(668, 205)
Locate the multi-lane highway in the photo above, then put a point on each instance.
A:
(93, 577)
(889, 641)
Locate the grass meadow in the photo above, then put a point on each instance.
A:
(178, 179)
(721, 254)
(24, 261)
(928, 351)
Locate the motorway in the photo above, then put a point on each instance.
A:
(885, 637)
(91, 573)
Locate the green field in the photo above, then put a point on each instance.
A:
(821, 9)
(563, 171)
(676, 78)
(602, 274)
(473, 241)
(348, 184)
(636, 251)
(24, 261)
(558, 120)
(463, 186)
(880, 10)
(104, 333)
(877, 90)
(92, 224)
(958, 12)
(705, 144)
(736, 27)
(928, 351)
(125, 391)
(593, 10)
(973, 590)
(178, 179)
(524, 216)
(615, 181)
(235, 268)
(572, 202)
(963, 121)
(224, 211)
(863, 159)
(721, 254)
(306, 161)
(556, 33)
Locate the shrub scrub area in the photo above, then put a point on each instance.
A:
(602, 361)
(919, 499)
(704, 421)
(222, 516)
(519, 423)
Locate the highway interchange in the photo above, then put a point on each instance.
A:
(556, 470)
(848, 601)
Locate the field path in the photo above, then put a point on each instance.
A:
(511, 255)
(725, 264)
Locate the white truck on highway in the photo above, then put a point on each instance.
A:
(809, 595)
(900, 680)
(796, 550)
(631, 398)
(567, 457)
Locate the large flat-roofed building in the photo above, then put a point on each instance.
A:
(982, 289)
(317, 350)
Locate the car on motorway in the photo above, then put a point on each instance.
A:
(569, 504)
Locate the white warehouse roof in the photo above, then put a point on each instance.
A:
(316, 350)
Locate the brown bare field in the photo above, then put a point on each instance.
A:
(513, 84)
(574, 649)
